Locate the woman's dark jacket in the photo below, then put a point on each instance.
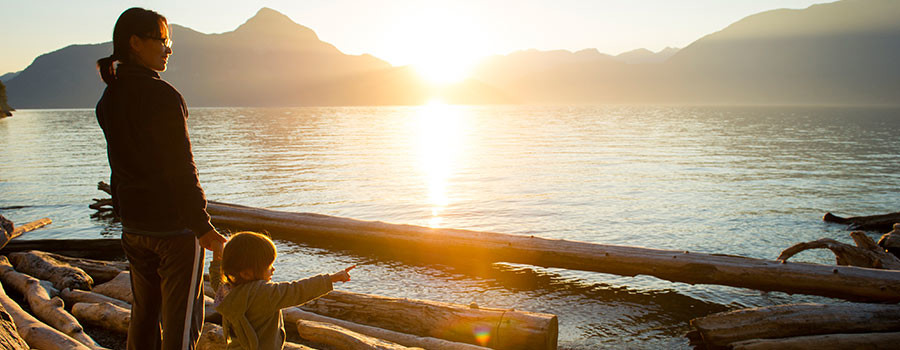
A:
(154, 182)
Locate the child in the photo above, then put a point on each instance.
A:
(250, 304)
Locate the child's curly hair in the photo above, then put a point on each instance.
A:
(246, 250)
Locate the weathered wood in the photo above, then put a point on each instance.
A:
(342, 338)
(73, 296)
(679, 266)
(881, 223)
(104, 248)
(294, 314)
(211, 338)
(870, 341)
(794, 320)
(891, 241)
(37, 334)
(105, 315)
(9, 337)
(18, 231)
(48, 309)
(62, 275)
(100, 270)
(865, 254)
(494, 328)
(117, 288)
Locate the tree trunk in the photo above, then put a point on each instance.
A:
(794, 320)
(37, 334)
(47, 309)
(493, 328)
(104, 315)
(341, 338)
(678, 266)
(294, 314)
(100, 270)
(62, 275)
(870, 341)
(104, 248)
(881, 223)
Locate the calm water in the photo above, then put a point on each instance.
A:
(744, 181)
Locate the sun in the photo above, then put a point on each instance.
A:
(441, 44)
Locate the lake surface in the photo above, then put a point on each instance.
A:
(745, 181)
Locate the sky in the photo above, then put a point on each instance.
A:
(401, 32)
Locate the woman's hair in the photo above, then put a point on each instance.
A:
(134, 21)
(246, 250)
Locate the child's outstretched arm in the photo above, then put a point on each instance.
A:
(342, 276)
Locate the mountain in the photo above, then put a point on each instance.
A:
(8, 76)
(267, 61)
(641, 56)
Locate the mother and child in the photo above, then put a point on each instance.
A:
(165, 226)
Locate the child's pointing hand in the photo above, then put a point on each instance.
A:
(342, 276)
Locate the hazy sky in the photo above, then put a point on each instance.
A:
(398, 31)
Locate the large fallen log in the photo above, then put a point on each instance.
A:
(37, 334)
(881, 223)
(794, 320)
(850, 283)
(294, 314)
(104, 248)
(870, 341)
(865, 254)
(62, 275)
(341, 338)
(493, 328)
(48, 309)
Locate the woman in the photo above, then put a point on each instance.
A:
(155, 189)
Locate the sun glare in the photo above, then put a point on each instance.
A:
(439, 130)
(441, 44)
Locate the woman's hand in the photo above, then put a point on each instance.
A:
(342, 276)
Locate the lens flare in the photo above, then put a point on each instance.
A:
(482, 335)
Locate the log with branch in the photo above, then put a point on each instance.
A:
(19, 230)
(880, 223)
(785, 321)
(865, 254)
(37, 334)
(62, 275)
(342, 338)
(48, 309)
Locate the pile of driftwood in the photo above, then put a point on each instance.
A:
(63, 292)
(814, 326)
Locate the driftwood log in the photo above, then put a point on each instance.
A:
(845, 282)
(294, 314)
(211, 338)
(62, 275)
(18, 231)
(37, 334)
(48, 309)
(9, 337)
(104, 248)
(74, 296)
(784, 321)
(117, 288)
(106, 315)
(870, 341)
(500, 328)
(342, 338)
(865, 254)
(881, 223)
(100, 270)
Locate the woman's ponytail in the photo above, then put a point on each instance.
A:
(107, 69)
